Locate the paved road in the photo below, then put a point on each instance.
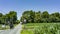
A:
(16, 30)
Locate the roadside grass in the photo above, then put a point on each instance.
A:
(41, 28)
(6, 27)
(26, 32)
(15, 25)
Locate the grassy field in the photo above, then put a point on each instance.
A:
(7, 27)
(41, 28)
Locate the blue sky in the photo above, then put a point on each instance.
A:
(21, 5)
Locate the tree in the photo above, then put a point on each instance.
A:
(55, 17)
(28, 15)
(56, 14)
(45, 14)
(1, 14)
(13, 16)
(1, 18)
(37, 17)
(10, 17)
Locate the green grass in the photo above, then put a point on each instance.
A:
(26, 32)
(7, 27)
(41, 28)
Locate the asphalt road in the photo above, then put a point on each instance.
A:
(16, 30)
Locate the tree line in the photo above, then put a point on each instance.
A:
(40, 17)
(11, 17)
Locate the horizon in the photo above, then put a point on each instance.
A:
(22, 5)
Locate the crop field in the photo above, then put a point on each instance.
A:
(41, 28)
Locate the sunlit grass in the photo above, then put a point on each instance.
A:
(26, 32)
(41, 28)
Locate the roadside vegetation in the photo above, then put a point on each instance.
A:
(37, 22)
(6, 27)
(41, 28)
(40, 17)
(6, 20)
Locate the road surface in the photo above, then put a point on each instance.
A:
(16, 30)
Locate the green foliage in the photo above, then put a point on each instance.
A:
(40, 17)
(11, 17)
(42, 28)
(26, 32)
(28, 15)
(17, 22)
(6, 27)
(47, 29)
(45, 14)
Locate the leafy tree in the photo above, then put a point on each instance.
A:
(45, 14)
(28, 15)
(1, 18)
(13, 16)
(38, 17)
